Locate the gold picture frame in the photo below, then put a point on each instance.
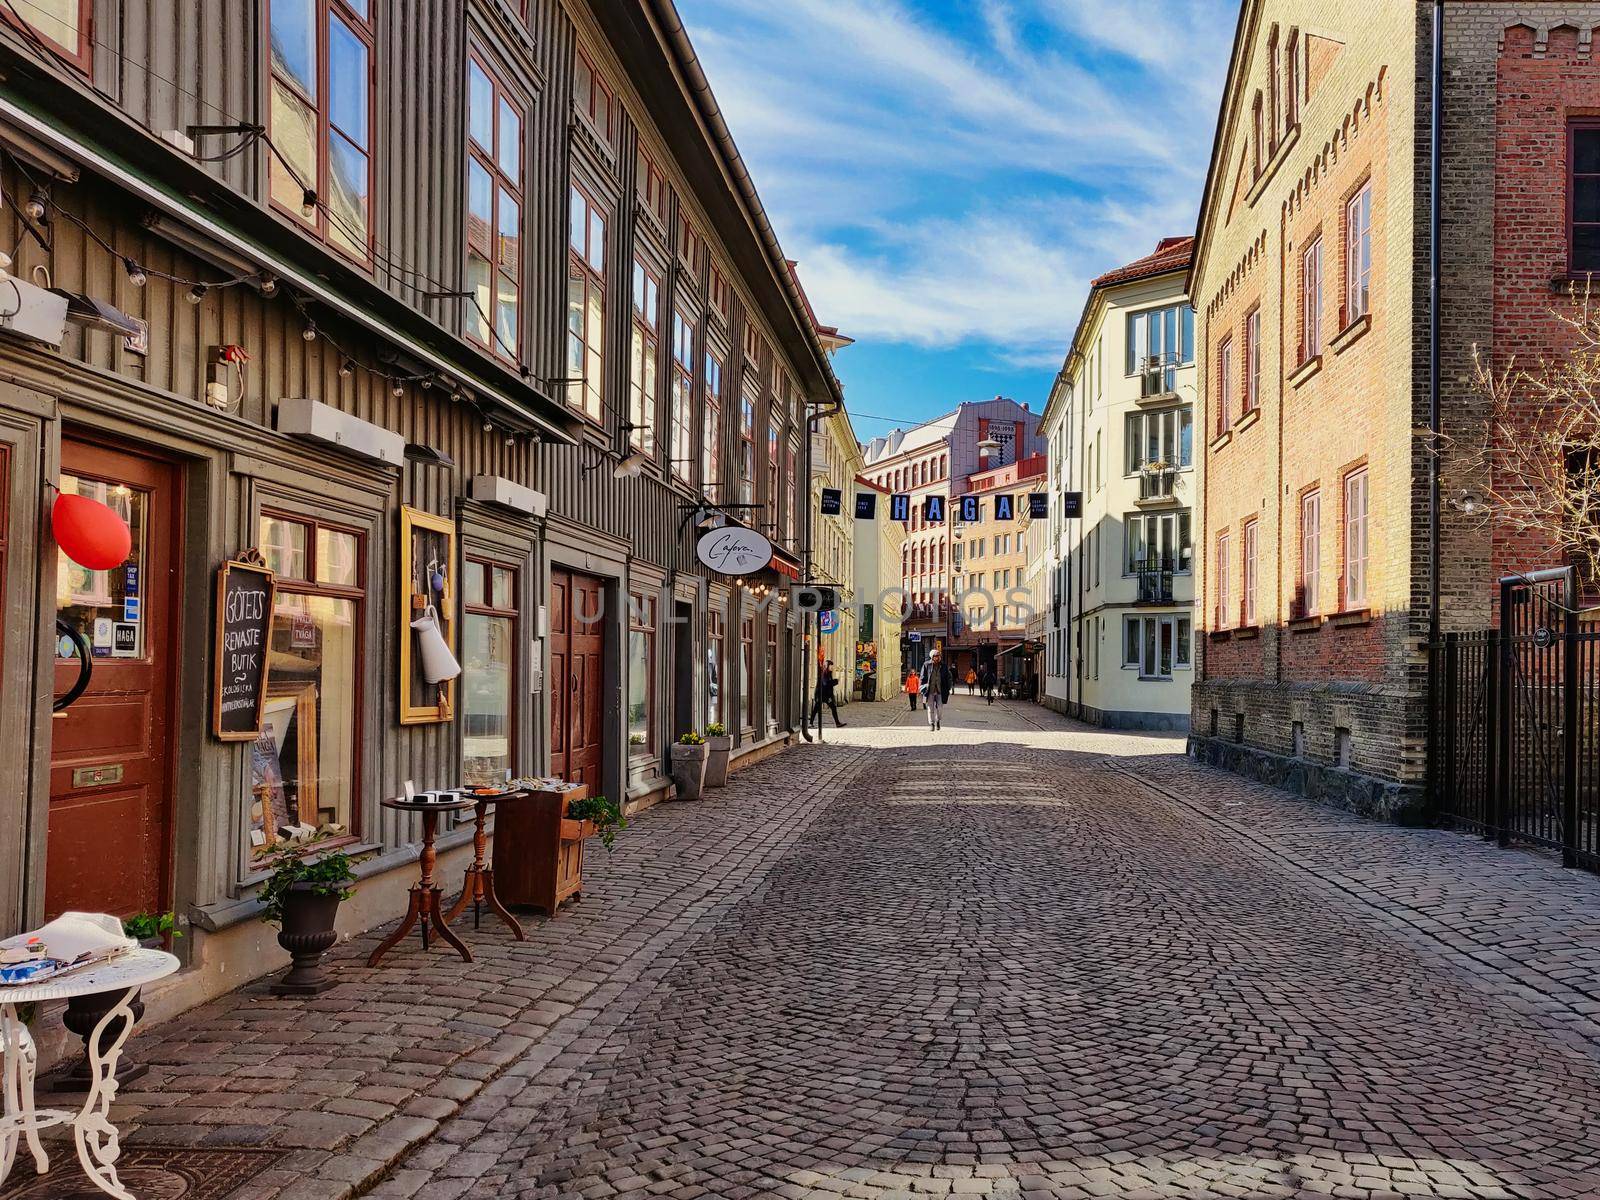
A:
(427, 543)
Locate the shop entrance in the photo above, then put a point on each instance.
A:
(577, 677)
(110, 789)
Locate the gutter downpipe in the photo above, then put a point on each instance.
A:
(1435, 302)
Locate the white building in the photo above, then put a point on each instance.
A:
(1120, 427)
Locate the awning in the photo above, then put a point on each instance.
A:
(785, 564)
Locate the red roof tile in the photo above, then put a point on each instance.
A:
(1171, 254)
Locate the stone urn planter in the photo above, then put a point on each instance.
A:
(719, 746)
(309, 912)
(689, 762)
(82, 1015)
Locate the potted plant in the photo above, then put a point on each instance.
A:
(689, 757)
(302, 896)
(720, 742)
(152, 930)
(603, 814)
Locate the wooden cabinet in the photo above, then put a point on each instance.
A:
(538, 850)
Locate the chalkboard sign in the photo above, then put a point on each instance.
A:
(245, 591)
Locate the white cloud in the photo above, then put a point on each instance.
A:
(957, 175)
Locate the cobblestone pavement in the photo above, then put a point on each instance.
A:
(1014, 958)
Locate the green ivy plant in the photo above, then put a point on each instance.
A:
(692, 738)
(328, 875)
(606, 815)
(145, 926)
(716, 729)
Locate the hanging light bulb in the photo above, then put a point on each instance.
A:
(5, 266)
(197, 293)
(510, 441)
(309, 332)
(136, 275)
(346, 369)
(398, 389)
(269, 284)
(488, 427)
(308, 203)
(35, 207)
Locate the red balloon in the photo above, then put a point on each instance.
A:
(91, 534)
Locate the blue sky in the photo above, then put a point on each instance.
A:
(952, 175)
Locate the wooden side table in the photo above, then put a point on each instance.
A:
(425, 909)
(478, 886)
(538, 850)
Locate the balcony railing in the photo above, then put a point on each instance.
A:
(1158, 376)
(1157, 481)
(1155, 581)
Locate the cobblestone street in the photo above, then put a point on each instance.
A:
(1017, 957)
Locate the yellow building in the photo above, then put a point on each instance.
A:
(835, 463)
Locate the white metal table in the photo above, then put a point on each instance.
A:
(92, 1130)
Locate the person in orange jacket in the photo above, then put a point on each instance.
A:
(913, 686)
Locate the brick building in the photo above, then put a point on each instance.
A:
(1310, 282)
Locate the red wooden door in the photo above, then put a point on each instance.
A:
(577, 672)
(110, 789)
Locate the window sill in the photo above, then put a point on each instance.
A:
(1573, 283)
(1247, 633)
(1221, 440)
(1355, 616)
(1350, 334)
(1157, 399)
(1220, 635)
(1306, 624)
(1305, 370)
(1250, 418)
(1270, 167)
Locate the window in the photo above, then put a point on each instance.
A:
(720, 292)
(1355, 540)
(716, 658)
(1257, 161)
(1161, 337)
(1583, 196)
(1156, 645)
(1358, 255)
(592, 98)
(747, 679)
(652, 187)
(1273, 80)
(320, 105)
(489, 641)
(645, 354)
(791, 455)
(64, 23)
(1164, 437)
(690, 248)
(747, 438)
(494, 214)
(682, 397)
(1291, 81)
(1224, 550)
(1310, 553)
(1158, 541)
(586, 305)
(772, 669)
(774, 487)
(1311, 301)
(1250, 547)
(1252, 360)
(305, 767)
(711, 447)
(641, 673)
(1225, 385)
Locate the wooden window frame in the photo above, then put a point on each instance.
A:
(644, 618)
(1575, 126)
(747, 664)
(1252, 361)
(1309, 576)
(593, 278)
(1224, 551)
(1352, 271)
(80, 56)
(1224, 384)
(714, 405)
(585, 106)
(357, 594)
(319, 223)
(747, 438)
(489, 564)
(652, 186)
(643, 400)
(1348, 603)
(489, 159)
(1249, 571)
(1311, 299)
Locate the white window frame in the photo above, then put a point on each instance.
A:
(1357, 514)
(1310, 552)
(1250, 539)
(1358, 255)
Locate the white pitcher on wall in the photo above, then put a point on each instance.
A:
(438, 663)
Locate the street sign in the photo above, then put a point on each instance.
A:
(915, 637)
(1005, 508)
(933, 510)
(828, 621)
(1072, 504)
(969, 508)
(899, 507)
(866, 505)
(832, 500)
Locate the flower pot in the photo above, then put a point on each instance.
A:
(82, 1015)
(717, 761)
(689, 770)
(308, 916)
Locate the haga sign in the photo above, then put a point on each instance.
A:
(733, 551)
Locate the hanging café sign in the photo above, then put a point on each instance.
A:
(733, 550)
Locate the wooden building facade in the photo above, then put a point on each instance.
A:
(464, 306)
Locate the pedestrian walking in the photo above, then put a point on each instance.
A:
(988, 684)
(827, 681)
(913, 686)
(972, 682)
(937, 682)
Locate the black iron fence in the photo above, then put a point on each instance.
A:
(1514, 737)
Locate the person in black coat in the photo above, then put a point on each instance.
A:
(938, 680)
(827, 681)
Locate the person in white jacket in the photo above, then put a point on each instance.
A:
(938, 680)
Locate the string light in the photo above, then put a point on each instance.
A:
(197, 293)
(35, 207)
(136, 275)
(309, 333)
(308, 203)
(268, 285)
(346, 368)
(399, 389)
